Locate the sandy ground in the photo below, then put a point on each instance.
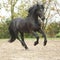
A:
(15, 51)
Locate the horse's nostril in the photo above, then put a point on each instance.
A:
(43, 18)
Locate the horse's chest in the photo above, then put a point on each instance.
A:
(31, 27)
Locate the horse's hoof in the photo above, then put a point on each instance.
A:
(26, 47)
(45, 42)
(10, 41)
(35, 43)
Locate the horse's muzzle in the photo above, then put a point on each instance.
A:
(43, 18)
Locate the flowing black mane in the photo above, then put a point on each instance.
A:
(35, 7)
(28, 25)
(32, 9)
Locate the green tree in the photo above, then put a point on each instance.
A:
(52, 29)
(12, 3)
(22, 12)
(4, 33)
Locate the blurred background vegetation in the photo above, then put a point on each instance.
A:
(19, 8)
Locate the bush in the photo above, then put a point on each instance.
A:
(4, 33)
(53, 29)
(58, 35)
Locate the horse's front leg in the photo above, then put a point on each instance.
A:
(37, 37)
(43, 34)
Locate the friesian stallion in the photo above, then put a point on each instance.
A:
(30, 25)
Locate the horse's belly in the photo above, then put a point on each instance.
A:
(24, 29)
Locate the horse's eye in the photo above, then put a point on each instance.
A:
(40, 9)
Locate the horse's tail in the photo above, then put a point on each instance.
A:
(13, 33)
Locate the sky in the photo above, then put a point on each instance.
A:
(7, 14)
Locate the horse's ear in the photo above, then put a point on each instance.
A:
(37, 4)
(42, 6)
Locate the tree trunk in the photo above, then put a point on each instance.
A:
(12, 10)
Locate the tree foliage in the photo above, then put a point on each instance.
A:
(51, 10)
(4, 33)
(53, 29)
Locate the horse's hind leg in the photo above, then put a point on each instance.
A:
(22, 41)
(24, 44)
(12, 39)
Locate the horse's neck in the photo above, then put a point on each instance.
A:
(34, 17)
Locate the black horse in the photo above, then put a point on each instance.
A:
(30, 24)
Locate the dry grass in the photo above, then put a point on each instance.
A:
(14, 51)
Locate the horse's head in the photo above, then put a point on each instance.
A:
(40, 11)
(37, 10)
